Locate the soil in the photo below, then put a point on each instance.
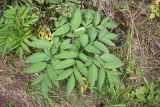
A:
(12, 86)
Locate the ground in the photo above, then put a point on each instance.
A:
(140, 40)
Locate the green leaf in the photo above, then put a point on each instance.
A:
(20, 53)
(83, 57)
(48, 81)
(36, 57)
(53, 50)
(94, 2)
(25, 47)
(55, 61)
(110, 36)
(101, 78)
(97, 63)
(81, 29)
(37, 67)
(82, 68)
(55, 40)
(40, 1)
(88, 62)
(78, 76)
(76, 19)
(65, 74)
(51, 72)
(97, 18)
(26, 11)
(102, 33)
(101, 46)
(110, 25)
(38, 79)
(113, 77)
(152, 15)
(92, 33)
(62, 30)
(70, 35)
(62, 20)
(104, 22)
(65, 44)
(27, 42)
(44, 88)
(78, 33)
(67, 54)
(107, 41)
(53, 1)
(84, 39)
(64, 64)
(43, 44)
(77, 43)
(92, 49)
(92, 75)
(52, 76)
(111, 61)
(70, 85)
(31, 21)
(97, 57)
(47, 52)
(9, 13)
(88, 16)
(73, 47)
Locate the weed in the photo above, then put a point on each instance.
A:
(155, 10)
(36, 98)
(77, 53)
(15, 33)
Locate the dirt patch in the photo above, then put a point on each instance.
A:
(146, 43)
(11, 86)
(145, 37)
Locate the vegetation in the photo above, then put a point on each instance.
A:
(73, 48)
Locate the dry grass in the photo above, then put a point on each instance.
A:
(143, 33)
(12, 86)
